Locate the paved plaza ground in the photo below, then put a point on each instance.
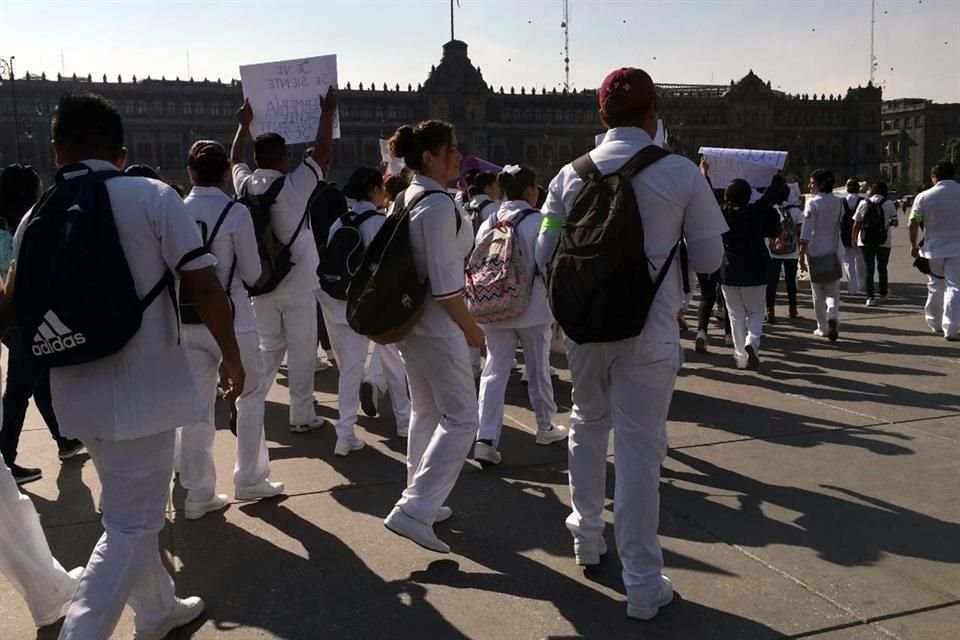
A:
(817, 499)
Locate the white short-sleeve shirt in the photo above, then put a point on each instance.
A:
(146, 388)
(821, 224)
(889, 215)
(235, 240)
(939, 209)
(285, 216)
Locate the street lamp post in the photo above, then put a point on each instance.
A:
(6, 66)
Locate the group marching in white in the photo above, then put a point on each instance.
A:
(145, 410)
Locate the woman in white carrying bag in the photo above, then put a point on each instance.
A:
(532, 327)
(820, 252)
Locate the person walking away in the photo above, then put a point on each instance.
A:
(20, 188)
(871, 233)
(784, 253)
(532, 327)
(126, 419)
(436, 353)
(937, 211)
(746, 264)
(627, 384)
(349, 237)
(227, 230)
(287, 315)
(852, 256)
(820, 247)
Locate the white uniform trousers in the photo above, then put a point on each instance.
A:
(25, 557)
(443, 420)
(350, 349)
(125, 566)
(745, 306)
(627, 386)
(253, 458)
(288, 324)
(826, 302)
(386, 372)
(943, 299)
(501, 349)
(855, 269)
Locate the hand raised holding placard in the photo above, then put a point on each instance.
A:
(245, 114)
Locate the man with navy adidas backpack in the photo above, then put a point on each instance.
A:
(615, 284)
(97, 260)
(285, 297)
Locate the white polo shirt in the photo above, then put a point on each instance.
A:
(286, 214)
(538, 311)
(821, 224)
(235, 240)
(439, 252)
(479, 203)
(337, 309)
(889, 214)
(938, 208)
(146, 388)
(672, 197)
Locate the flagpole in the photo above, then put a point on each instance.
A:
(451, 21)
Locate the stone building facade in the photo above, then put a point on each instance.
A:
(540, 129)
(915, 135)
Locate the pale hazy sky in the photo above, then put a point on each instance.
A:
(815, 46)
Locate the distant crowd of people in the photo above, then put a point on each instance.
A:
(209, 291)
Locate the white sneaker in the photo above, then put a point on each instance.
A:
(700, 346)
(649, 611)
(555, 434)
(196, 510)
(346, 445)
(487, 455)
(403, 430)
(265, 489)
(871, 302)
(369, 399)
(415, 531)
(444, 514)
(588, 554)
(184, 612)
(70, 589)
(524, 378)
(317, 423)
(818, 333)
(323, 362)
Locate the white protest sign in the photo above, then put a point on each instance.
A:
(658, 139)
(755, 166)
(394, 165)
(286, 96)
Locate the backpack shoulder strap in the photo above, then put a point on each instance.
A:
(642, 159)
(269, 196)
(351, 219)
(523, 216)
(586, 168)
(422, 195)
(219, 223)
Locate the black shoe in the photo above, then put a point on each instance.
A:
(70, 448)
(794, 313)
(753, 362)
(832, 332)
(367, 400)
(23, 475)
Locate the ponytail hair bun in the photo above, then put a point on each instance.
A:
(514, 180)
(409, 142)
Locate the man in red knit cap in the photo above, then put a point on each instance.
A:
(626, 384)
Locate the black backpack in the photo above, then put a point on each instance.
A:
(275, 261)
(75, 298)
(873, 227)
(599, 282)
(327, 205)
(343, 255)
(189, 314)
(846, 223)
(385, 296)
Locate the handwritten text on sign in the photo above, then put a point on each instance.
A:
(286, 96)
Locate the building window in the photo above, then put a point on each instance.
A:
(157, 108)
(887, 125)
(507, 115)
(896, 123)
(171, 108)
(391, 114)
(187, 109)
(144, 152)
(531, 154)
(227, 108)
(918, 121)
(199, 109)
(171, 154)
(141, 108)
(214, 109)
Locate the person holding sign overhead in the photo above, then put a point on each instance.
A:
(287, 315)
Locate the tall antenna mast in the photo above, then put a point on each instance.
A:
(451, 20)
(873, 23)
(566, 44)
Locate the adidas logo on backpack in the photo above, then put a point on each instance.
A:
(54, 337)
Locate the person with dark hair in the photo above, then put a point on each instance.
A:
(287, 316)
(532, 329)
(20, 188)
(394, 183)
(365, 188)
(784, 260)
(937, 212)
(227, 231)
(127, 419)
(851, 254)
(746, 264)
(436, 352)
(142, 171)
(874, 218)
(627, 385)
(483, 197)
(820, 241)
